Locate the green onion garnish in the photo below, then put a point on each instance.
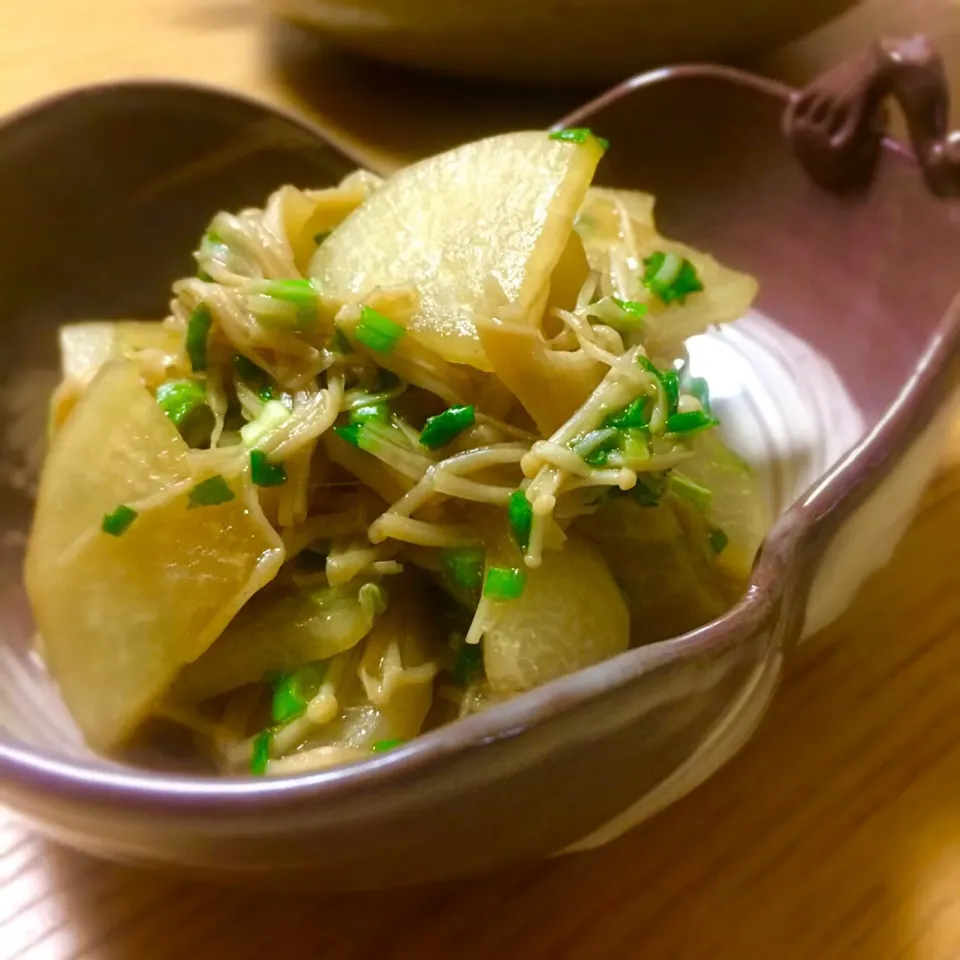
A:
(285, 300)
(650, 487)
(632, 416)
(382, 746)
(118, 522)
(292, 692)
(469, 664)
(504, 583)
(669, 381)
(370, 411)
(520, 518)
(594, 448)
(623, 315)
(690, 421)
(696, 494)
(261, 753)
(631, 307)
(442, 428)
(671, 386)
(579, 135)
(378, 332)
(264, 473)
(464, 567)
(247, 369)
(198, 330)
(718, 540)
(211, 492)
(179, 399)
(204, 276)
(215, 244)
(635, 445)
(670, 276)
(349, 432)
(597, 458)
(268, 392)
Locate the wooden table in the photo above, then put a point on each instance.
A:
(836, 834)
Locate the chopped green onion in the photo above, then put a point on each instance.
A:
(504, 583)
(669, 381)
(579, 135)
(382, 746)
(633, 314)
(696, 494)
(318, 238)
(594, 447)
(215, 243)
(649, 489)
(179, 399)
(469, 664)
(635, 445)
(292, 692)
(688, 282)
(370, 411)
(661, 269)
(261, 753)
(633, 415)
(213, 246)
(670, 276)
(247, 369)
(198, 330)
(211, 492)
(718, 540)
(442, 428)
(118, 522)
(464, 567)
(632, 307)
(264, 473)
(285, 301)
(671, 386)
(623, 315)
(349, 432)
(378, 332)
(520, 518)
(690, 421)
(273, 414)
(598, 458)
(268, 392)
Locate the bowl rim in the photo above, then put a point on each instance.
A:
(105, 783)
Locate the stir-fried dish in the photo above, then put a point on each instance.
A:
(403, 448)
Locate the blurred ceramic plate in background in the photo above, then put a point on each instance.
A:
(557, 41)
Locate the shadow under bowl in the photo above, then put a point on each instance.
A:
(839, 392)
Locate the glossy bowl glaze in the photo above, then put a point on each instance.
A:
(557, 41)
(837, 388)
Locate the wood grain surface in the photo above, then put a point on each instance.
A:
(835, 834)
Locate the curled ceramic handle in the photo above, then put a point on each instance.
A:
(836, 124)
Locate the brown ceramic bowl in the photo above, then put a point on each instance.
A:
(837, 388)
(557, 41)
